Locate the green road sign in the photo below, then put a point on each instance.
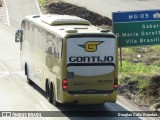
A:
(137, 28)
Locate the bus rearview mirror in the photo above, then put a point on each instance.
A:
(18, 36)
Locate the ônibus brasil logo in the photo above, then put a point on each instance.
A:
(91, 46)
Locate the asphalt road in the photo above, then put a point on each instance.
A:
(18, 9)
(16, 94)
(106, 7)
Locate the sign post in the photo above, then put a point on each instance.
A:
(136, 28)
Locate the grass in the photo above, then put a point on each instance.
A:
(138, 68)
(137, 74)
(42, 3)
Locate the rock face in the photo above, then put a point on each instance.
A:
(154, 86)
(70, 9)
(0, 3)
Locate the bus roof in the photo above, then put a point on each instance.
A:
(65, 24)
(63, 20)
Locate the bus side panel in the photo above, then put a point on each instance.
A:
(27, 48)
(53, 59)
(42, 51)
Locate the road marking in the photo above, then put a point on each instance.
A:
(131, 106)
(4, 74)
(7, 14)
(37, 4)
(19, 73)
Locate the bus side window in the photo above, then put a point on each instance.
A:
(53, 46)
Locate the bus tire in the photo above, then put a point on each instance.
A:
(52, 96)
(47, 91)
(26, 73)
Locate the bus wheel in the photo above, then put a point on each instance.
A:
(47, 91)
(26, 73)
(52, 96)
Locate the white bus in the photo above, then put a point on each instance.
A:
(70, 59)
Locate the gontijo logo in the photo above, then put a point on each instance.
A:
(91, 46)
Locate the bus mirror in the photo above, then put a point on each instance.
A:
(18, 36)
